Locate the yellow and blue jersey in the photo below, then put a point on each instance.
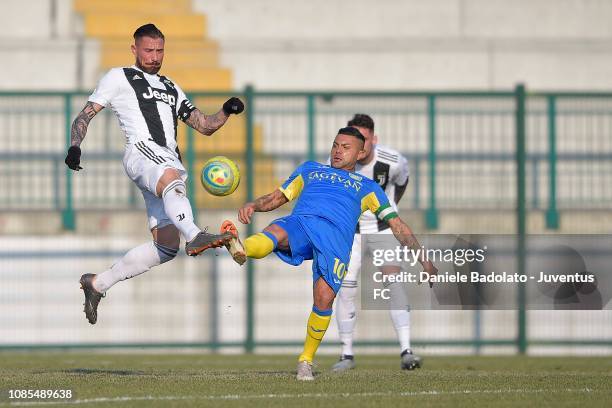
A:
(337, 195)
(322, 224)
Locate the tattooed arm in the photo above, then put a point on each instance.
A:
(206, 124)
(80, 124)
(404, 235)
(264, 203)
(78, 132)
(270, 201)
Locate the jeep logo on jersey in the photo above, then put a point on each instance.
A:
(160, 96)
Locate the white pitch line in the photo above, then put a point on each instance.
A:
(285, 396)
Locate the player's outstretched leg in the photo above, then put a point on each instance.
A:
(92, 297)
(135, 262)
(178, 210)
(234, 246)
(256, 246)
(204, 241)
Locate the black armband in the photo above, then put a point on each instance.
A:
(185, 110)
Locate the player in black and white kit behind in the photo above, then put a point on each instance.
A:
(390, 170)
(148, 106)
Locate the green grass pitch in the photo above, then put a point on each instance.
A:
(195, 380)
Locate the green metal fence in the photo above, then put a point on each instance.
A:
(510, 153)
(454, 141)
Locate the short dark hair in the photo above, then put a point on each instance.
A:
(351, 131)
(148, 30)
(362, 120)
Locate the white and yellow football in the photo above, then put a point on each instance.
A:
(220, 176)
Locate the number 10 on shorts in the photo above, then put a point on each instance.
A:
(339, 269)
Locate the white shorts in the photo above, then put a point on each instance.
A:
(379, 240)
(145, 163)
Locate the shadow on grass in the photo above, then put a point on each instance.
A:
(99, 371)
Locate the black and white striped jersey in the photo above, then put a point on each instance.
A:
(389, 169)
(146, 105)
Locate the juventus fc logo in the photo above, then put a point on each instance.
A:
(381, 179)
(181, 217)
(159, 96)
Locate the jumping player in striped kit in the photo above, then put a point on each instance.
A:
(148, 106)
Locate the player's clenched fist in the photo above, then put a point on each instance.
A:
(73, 158)
(245, 213)
(233, 105)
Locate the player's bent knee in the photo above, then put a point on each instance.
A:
(167, 241)
(324, 303)
(324, 295)
(169, 176)
(167, 236)
(165, 253)
(282, 238)
(176, 186)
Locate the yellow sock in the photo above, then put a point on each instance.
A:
(315, 330)
(259, 245)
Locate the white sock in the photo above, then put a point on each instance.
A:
(178, 209)
(400, 314)
(401, 322)
(135, 262)
(346, 316)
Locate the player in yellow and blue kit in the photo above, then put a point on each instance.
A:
(320, 231)
(321, 227)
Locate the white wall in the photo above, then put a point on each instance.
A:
(348, 44)
(25, 19)
(35, 19)
(413, 44)
(353, 19)
(42, 47)
(49, 64)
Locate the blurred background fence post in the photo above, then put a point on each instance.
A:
(552, 215)
(432, 213)
(249, 96)
(311, 127)
(521, 214)
(68, 211)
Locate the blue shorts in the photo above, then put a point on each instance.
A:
(312, 237)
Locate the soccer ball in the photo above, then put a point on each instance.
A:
(220, 176)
